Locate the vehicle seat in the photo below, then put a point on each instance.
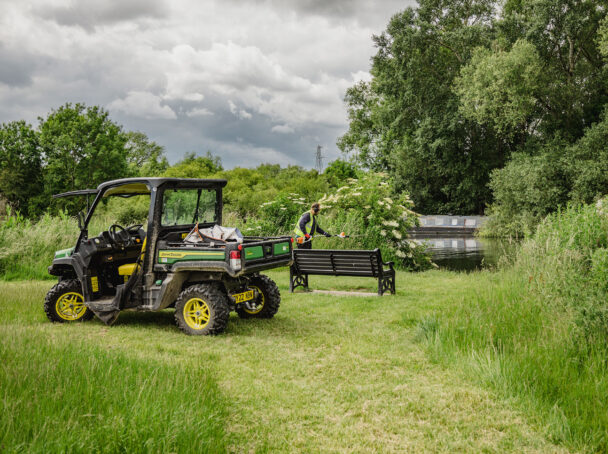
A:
(128, 269)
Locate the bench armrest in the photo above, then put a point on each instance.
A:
(389, 264)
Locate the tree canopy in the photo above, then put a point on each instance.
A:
(459, 87)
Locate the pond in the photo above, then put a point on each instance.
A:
(465, 252)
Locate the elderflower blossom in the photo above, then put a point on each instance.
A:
(380, 202)
(388, 200)
(601, 207)
(383, 232)
(356, 193)
(390, 223)
(397, 234)
(400, 254)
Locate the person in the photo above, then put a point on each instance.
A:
(307, 226)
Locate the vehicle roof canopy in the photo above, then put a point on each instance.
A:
(127, 187)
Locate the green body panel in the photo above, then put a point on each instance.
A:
(64, 253)
(255, 252)
(281, 248)
(170, 257)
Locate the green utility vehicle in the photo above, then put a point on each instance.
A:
(182, 259)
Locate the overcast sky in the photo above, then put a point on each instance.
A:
(251, 81)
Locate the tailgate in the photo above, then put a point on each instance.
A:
(275, 250)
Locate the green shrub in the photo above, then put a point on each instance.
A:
(526, 190)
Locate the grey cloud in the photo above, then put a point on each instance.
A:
(284, 66)
(371, 13)
(17, 67)
(91, 13)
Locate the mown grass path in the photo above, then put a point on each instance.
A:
(327, 374)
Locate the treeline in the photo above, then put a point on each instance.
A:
(483, 104)
(76, 147)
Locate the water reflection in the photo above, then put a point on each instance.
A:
(465, 252)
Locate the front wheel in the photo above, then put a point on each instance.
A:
(202, 310)
(65, 303)
(266, 302)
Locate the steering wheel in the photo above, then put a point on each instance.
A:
(119, 236)
(134, 229)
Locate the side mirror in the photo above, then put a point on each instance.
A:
(80, 220)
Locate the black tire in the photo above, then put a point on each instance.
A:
(64, 303)
(202, 309)
(267, 301)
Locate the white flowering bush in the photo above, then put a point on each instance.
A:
(278, 216)
(366, 210)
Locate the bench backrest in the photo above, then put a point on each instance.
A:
(338, 262)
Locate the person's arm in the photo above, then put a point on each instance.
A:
(320, 230)
(305, 219)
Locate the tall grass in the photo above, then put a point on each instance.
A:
(27, 247)
(538, 329)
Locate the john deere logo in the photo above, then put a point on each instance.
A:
(172, 255)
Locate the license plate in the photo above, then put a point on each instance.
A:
(242, 297)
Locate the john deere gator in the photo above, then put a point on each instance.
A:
(181, 257)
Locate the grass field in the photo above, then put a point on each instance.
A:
(327, 374)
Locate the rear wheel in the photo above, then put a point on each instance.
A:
(65, 303)
(202, 310)
(266, 302)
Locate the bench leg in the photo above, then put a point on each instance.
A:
(386, 283)
(297, 280)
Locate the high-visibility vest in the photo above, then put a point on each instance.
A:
(308, 226)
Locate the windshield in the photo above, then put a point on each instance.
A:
(188, 206)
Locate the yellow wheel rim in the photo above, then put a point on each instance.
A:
(259, 301)
(196, 313)
(70, 306)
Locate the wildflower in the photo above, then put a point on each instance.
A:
(397, 234)
(356, 193)
(400, 254)
(380, 202)
(367, 207)
(383, 232)
(388, 199)
(390, 223)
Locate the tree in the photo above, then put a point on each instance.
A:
(82, 147)
(193, 166)
(144, 157)
(407, 120)
(339, 171)
(503, 89)
(564, 34)
(21, 182)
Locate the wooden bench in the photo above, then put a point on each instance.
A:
(341, 263)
